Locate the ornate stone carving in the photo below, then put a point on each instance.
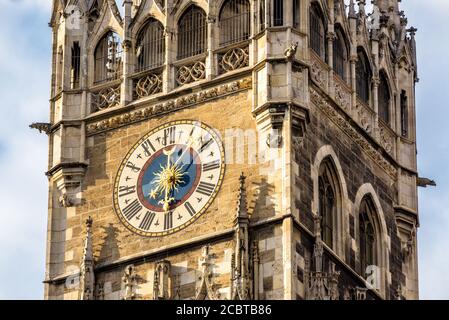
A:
(234, 59)
(240, 282)
(344, 125)
(87, 276)
(342, 97)
(290, 52)
(318, 74)
(320, 285)
(129, 283)
(65, 201)
(207, 289)
(106, 98)
(169, 106)
(363, 118)
(191, 73)
(386, 139)
(148, 85)
(41, 126)
(161, 283)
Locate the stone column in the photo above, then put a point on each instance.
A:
(210, 65)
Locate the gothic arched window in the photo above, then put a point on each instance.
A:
(363, 75)
(404, 114)
(384, 98)
(367, 235)
(192, 33)
(340, 55)
(108, 58)
(150, 46)
(327, 209)
(317, 31)
(234, 21)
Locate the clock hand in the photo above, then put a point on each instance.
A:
(184, 151)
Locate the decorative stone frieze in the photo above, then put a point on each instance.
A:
(347, 128)
(169, 106)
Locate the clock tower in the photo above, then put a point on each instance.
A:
(231, 149)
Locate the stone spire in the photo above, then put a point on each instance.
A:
(240, 265)
(87, 277)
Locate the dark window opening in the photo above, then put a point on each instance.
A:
(384, 99)
(75, 66)
(296, 13)
(192, 33)
(150, 47)
(363, 76)
(317, 39)
(278, 13)
(108, 58)
(234, 22)
(404, 114)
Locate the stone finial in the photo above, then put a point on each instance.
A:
(206, 289)
(161, 283)
(352, 14)
(129, 283)
(87, 276)
(242, 209)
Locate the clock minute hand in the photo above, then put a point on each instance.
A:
(184, 152)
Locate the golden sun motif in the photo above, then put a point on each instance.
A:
(167, 179)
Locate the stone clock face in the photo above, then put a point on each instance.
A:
(169, 178)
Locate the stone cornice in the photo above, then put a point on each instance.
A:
(169, 106)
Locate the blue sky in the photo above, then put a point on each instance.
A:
(24, 89)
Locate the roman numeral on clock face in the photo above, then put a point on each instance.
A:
(132, 209)
(125, 190)
(148, 147)
(211, 165)
(147, 220)
(132, 166)
(205, 188)
(206, 145)
(190, 209)
(169, 136)
(168, 220)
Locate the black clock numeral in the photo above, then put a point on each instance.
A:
(205, 188)
(126, 190)
(132, 166)
(190, 209)
(147, 145)
(211, 165)
(168, 220)
(147, 220)
(169, 136)
(206, 145)
(132, 209)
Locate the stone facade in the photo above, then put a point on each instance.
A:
(282, 111)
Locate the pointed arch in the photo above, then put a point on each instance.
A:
(327, 173)
(234, 21)
(150, 46)
(192, 32)
(384, 97)
(340, 53)
(363, 75)
(367, 210)
(317, 30)
(108, 58)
